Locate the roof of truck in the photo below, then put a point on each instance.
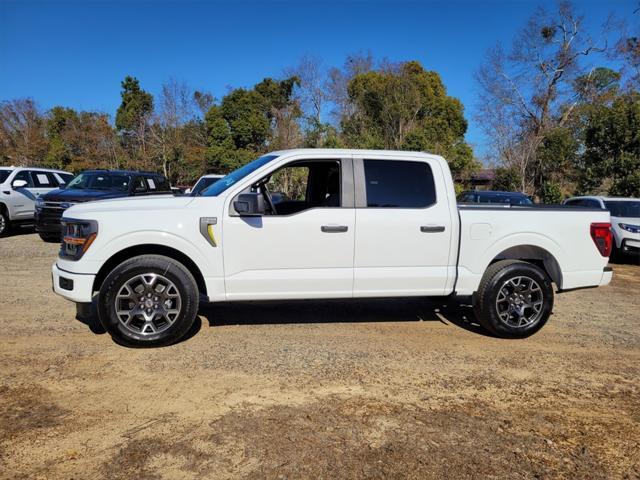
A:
(352, 151)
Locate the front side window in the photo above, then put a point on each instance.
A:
(24, 175)
(303, 185)
(399, 184)
(4, 174)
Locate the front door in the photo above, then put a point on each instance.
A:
(403, 229)
(303, 249)
(24, 198)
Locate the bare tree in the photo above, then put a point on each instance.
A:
(338, 82)
(311, 91)
(528, 90)
(22, 132)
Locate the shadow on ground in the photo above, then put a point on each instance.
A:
(369, 310)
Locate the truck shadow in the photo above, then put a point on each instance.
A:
(413, 309)
(370, 310)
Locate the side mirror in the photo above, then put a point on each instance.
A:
(249, 204)
(19, 184)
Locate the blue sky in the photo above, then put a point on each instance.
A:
(76, 53)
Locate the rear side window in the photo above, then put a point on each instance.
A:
(158, 184)
(42, 180)
(399, 184)
(63, 178)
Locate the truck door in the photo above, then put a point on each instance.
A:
(305, 248)
(403, 228)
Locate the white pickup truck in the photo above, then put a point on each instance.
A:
(348, 223)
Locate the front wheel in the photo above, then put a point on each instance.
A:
(5, 223)
(148, 301)
(514, 299)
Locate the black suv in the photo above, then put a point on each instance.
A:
(494, 196)
(93, 185)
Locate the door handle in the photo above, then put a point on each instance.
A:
(432, 228)
(334, 228)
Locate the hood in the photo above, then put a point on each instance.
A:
(131, 204)
(77, 195)
(627, 220)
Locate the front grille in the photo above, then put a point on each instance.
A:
(48, 214)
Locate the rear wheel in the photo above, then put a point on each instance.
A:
(148, 301)
(514, 299)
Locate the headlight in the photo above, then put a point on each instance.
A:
(630, 228)
(39, 203)
(78, 235)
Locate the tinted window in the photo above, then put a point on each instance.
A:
(4, 174)
(398, 184)
(162, 184)
(618, 208)
(23, 175)
(63, 178)
(139, 185)
(100, 181)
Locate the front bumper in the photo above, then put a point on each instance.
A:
(48, 221)
(77, 287)
(630, 245)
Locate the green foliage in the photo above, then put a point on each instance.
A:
(507, 180)
(555, 157)
(243, 125)
(407, 108)
(136, 105)
(612, 147)
(551, 193)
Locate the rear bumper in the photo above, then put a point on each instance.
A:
(77, 287)
(607, 275)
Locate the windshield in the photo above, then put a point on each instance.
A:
(504, 198)
(203, 183)
(225, 182)
(100, 181)
(4, 174)
(623, 208)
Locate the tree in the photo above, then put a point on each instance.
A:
(612, 147)
(132, 119)
(527, 91)
(404, 107)
(22, 133)
(248, 122)
(507, 179)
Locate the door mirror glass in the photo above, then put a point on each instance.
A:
(19, 183)
(249, 204)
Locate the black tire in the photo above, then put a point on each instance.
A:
(5, 223)
(496, 288)
(140, 333)
(50, 237)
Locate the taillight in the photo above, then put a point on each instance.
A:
(602, 237)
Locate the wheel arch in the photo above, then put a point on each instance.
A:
(535, 255)
(149, 249)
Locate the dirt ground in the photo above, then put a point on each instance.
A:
(324, 390)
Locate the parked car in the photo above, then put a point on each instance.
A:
(93, 185)
(19, 189)
(625, 220)
(493, 196)
(367, 224)
(202, 183)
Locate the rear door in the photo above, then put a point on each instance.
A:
(403, 228)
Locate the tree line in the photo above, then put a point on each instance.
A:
(558, 118)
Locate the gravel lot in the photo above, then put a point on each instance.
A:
(361, 389)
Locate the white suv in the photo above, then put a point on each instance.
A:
(625, 219)
(19, 189)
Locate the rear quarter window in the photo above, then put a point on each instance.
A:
(399, 184)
